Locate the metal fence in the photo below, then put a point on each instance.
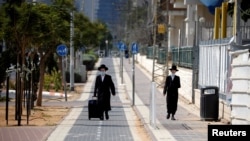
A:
(182, 56)
(214, 64)
(207, 30)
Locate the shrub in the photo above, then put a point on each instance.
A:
(47, 82)
(3, 98)
(53, 80)
(77, 77)
(56, 79)
(12, 85)
(89, 61)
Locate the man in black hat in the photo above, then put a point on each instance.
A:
(104, 87)
(172, 84)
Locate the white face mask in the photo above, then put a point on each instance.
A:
(102, 73)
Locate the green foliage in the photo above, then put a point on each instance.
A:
(2, 99)
(12, 85)
(53, 80)
(43, 26)
(77, 77)
(93, 54)
(88, 33)
(89, 60)
(7, 58)
(56, 79)
(245, 10)
(47, 82)
(51, 63)
(39, 27)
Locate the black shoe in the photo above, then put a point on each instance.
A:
(168, 116)
(107, 115)
(172, 118)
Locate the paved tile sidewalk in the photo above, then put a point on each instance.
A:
(188, 125)
(121, 126)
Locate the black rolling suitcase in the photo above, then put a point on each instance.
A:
(93, 109)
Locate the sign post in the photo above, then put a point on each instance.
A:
(122, 48)
(62, 51)
(134, 49)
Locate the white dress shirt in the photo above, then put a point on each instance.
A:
(172, 76)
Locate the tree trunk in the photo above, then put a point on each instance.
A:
(41, 81)
(41, 77)
(60, 59)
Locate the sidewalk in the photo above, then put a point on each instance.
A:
(123, 123)
(188, 125)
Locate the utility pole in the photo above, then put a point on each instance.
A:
(237, 17)
(160, 33)
(160, 38)
(72, 79)
(195, 51)
(154, 37)
(166, 40)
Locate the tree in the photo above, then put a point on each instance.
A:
(87, 33)
(52, 26)
(40, 28)
(35, 26)
(137, 23)
(245, 10)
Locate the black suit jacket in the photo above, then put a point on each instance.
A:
(171, 86)
(103, 90)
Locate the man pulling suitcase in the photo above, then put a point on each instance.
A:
(104, 87)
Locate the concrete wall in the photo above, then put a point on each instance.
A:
(241, 87)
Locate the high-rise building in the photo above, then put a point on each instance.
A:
(89, 9)
(41, 1)
(79, 5)
(106, 11)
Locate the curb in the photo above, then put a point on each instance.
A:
(55, 94)
(46, 93)
(144, 123)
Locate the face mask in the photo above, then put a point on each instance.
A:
(102, 73)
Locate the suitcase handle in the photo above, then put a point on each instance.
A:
(94, 97)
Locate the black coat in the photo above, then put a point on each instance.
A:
(103, 90)
(171, 88)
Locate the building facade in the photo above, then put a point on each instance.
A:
(106, 11)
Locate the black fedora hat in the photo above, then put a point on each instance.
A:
(173, 68)
(102, 66)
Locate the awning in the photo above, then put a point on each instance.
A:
(212, 4)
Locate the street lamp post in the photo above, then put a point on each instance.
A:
(72, 79)
(195, 67)
(106, 47)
